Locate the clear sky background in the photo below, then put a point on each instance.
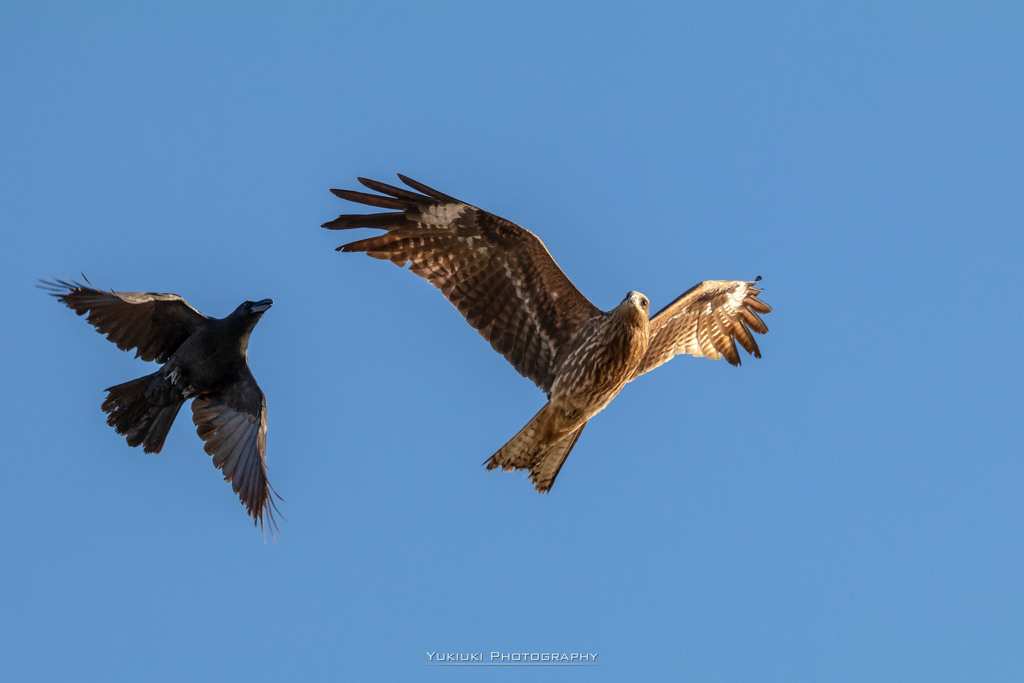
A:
(849, 507)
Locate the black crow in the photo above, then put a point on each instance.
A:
(204, 359)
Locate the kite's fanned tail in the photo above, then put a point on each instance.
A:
(134, 412)
(527, 451)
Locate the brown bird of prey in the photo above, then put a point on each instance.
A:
(204, 359)
(503, 280)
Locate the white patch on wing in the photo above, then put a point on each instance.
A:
(442, 215)
(736, 298)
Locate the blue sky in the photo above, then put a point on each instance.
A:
(849, 507)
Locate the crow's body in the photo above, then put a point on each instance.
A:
(204, 359)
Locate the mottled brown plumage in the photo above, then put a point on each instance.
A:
(509, 288)
(204, 359)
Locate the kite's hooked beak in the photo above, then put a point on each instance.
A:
(262, 305)
(637, 299)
